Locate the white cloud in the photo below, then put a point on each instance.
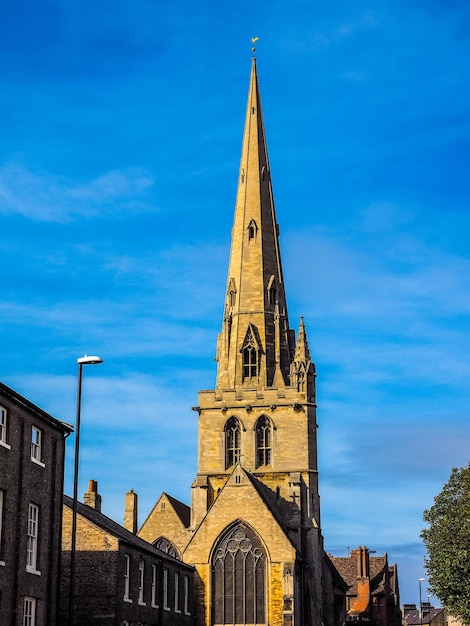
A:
(42, 196)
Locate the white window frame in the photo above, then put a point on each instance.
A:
(29, 611)
(4, 427)
(141, 582)
(154, 587)
(165, 589)
(36, 445)
(177, 592)
(186, 596)
(127, 574)
(33, 537)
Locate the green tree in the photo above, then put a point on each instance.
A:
(447, 542)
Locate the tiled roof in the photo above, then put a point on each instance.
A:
(347, 567)
(181, 509)
(115, 529)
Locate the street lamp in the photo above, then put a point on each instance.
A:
(84, 360)
(420, 580)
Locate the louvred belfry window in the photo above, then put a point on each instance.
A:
(263, 441)
(239, 578)
(232, 442)
(250, 356)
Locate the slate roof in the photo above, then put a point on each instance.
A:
(31, 408)
(118, 531)
(181, 509)
(412, 617)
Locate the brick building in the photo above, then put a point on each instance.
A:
(32, 448)
(427, 614)
(373, 594)
(121, 580)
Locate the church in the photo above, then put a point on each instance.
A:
(253, 531)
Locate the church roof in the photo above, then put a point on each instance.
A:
(113, 528)
(181, 509)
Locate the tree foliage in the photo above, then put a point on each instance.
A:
(447, 542)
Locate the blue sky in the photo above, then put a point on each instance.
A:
(121, 139)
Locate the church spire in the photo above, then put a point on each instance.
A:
(256, 345)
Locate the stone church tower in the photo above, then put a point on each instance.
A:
(253, 529)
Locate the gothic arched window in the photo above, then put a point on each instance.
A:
(252, 230)
(263, 441)
(166, 546)
(239, 578)
(250, 355)
(232, 442)
(272, 291)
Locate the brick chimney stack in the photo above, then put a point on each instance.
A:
(92, 498)
(130, 512)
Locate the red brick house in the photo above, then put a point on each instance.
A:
(373, 594)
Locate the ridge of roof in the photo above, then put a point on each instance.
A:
(109, 525)
(16, 397)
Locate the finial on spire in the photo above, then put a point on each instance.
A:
(253, 48)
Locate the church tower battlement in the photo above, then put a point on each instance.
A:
(262, 413)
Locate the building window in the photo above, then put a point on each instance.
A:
(3, 427)
(263, 441)
(239, 578)
(36, 444)
(250, 355)
(177, 593)
(33, 532)
(141, 581)
(165, 589)
(250, 362)
(186, 595)
(272, 291)
(2, 499)
(166, 546)
(232, 442)
(127, 572)
(252, 230)
(154, 586)
(29, 612)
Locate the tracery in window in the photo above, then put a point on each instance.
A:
(166, 546)
(250, 355)
(263, 441)
(239, 578)
(232, 442)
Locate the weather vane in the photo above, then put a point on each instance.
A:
(253, 41)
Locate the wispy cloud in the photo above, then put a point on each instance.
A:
(43, 196)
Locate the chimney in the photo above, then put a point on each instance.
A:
(130, 512)
(92, 498)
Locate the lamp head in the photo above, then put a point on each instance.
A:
(89, 360)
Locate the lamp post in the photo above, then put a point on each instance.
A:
(84, 360)
(420, 580)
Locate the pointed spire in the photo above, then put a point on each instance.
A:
(255, 288)
(302, 369)
(302, 352)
